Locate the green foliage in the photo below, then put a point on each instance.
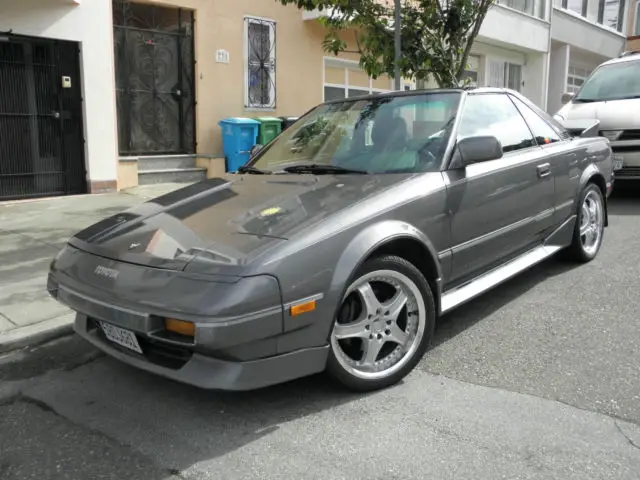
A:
(437, 35)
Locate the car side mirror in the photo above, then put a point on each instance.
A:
(255, 149)
(566, 98)
(478, 149)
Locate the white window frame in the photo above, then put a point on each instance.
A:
(469, 68)
(510, 4)
(348, 65)
(572, 88)
(506, 75)
(505, 71)
(271, 107)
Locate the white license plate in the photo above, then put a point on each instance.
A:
(121, 336)
(618, 162)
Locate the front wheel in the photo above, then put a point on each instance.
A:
(384, 325)
(589, 230)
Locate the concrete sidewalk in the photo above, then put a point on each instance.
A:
(31, 234)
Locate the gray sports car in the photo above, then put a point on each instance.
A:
(338, 245)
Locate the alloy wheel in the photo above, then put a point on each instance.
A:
(591, 222)
(380, 325)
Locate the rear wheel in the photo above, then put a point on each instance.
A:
(589, 230)
(384, 325)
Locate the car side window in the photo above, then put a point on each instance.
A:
(494, 114)
(542, 131)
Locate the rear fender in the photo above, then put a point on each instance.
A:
(591, 174)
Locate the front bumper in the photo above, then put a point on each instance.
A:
(630, 156)
(207, 372)
(239, 330)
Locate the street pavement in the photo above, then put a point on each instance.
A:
(538, 379)
(31, 234)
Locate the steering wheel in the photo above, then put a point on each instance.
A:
(425, 153)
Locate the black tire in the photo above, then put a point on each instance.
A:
(576, 251)
(336, 369)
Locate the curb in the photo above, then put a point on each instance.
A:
(36, 334)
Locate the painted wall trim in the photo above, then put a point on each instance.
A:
(586, 21)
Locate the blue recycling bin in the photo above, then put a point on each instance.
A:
(239, 135)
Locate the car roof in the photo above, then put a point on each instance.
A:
(409, 93)
(628, 56)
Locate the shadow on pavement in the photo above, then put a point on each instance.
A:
(625, 200)
(465, 316)
(179, 426)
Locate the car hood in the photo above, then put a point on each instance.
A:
(227, 220)
(613, 115)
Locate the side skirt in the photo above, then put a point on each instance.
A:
(556, 241)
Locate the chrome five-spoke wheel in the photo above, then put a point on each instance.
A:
(590, 223)
(378, 335)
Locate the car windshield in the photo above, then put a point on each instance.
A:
(616, 81)
(402, 134)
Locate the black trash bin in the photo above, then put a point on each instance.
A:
(288, 121)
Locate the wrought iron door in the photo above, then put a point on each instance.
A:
(41, 132)
(155, 66)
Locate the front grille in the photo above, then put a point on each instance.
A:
(628, 172)
(630, 135)
(154, 351)
(625, 148)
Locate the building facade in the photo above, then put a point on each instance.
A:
(113, 93)
(584, 33)
(633, 26)
(57, 109)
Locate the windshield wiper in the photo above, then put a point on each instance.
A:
(321, 169)
(254, 170)
(585, 100)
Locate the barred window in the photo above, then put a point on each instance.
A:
(260, 63)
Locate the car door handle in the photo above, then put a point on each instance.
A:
(543, 170)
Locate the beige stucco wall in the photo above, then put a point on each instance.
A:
(220, 86)
(127, 174)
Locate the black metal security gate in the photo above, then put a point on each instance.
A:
(41, 131)
(155, 66)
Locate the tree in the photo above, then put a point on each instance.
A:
(437, 35)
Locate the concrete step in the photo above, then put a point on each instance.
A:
(172, 175)
(168, 162)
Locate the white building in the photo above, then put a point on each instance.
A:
(512, 48)
(58, 107)
(584, 33)
(544, 49)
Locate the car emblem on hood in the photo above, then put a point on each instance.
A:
(103, 271)
(134, 245)
(267, 212)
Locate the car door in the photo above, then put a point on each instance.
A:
(559, 153)
(500, 207)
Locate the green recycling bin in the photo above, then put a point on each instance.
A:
(269, 128)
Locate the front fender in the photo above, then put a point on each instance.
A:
(368, 241)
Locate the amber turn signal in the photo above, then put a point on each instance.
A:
(301, 308)
(180, 326)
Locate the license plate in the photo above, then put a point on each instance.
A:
(618, 162)
(121, 336)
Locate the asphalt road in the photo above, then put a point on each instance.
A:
(539, 379)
